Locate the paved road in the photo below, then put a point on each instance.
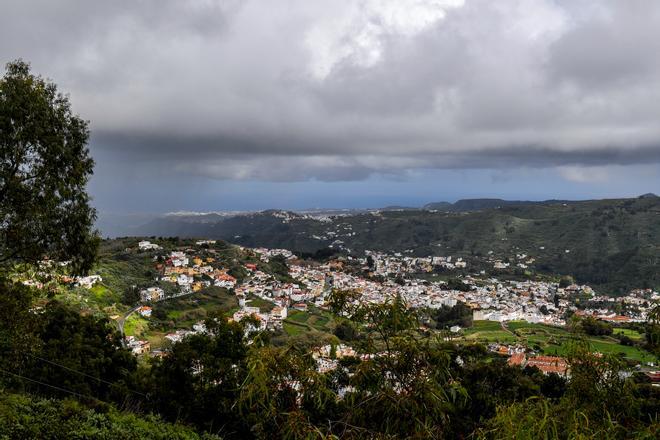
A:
(121, 321)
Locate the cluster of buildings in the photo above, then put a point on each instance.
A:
(327, 356)
(137, 346)
(88, 281)
(633, 307)
(179, 335)
(190, 273)
(152, 294)
(397, 264)
(490, 298)
(547, 364)
(261, 320)
(379, 278)
(519, 356)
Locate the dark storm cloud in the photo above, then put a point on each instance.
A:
(340, 90)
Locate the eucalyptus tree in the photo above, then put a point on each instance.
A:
(45, 165)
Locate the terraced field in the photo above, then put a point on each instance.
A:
(299, 322)
(489, 331)
(551, 340)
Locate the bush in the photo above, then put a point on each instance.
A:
(23, 417)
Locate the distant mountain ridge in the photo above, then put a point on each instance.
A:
(467, 205)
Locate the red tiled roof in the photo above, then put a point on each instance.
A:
(517, 359)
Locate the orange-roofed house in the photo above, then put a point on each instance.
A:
(549, 364)
(517, 359)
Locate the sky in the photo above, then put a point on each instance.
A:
(210, 105)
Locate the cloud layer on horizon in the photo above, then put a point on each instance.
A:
(338, 91)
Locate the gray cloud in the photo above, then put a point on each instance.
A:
(338, 91)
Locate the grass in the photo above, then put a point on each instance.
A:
(212, 299)
(488, 331)
(135, 325)
(551, 340)
(293, 329)
(633, 353)
(300, 317)
(119, 274)
(299, 322)
(102, 295)
(174, 314)
(632, 334)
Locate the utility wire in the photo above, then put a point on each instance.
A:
(50, 386)
(81, 373)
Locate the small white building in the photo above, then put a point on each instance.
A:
(184, 280)
(145, 245)
(88, 281)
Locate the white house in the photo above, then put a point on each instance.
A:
(152, 294)
(88, 281)
(184, 280)
(145, 245)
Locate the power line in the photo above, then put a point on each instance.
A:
(83, 374)
(50, 386)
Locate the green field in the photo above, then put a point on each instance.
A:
(292, 329)
(135, 325)
(632, 334)
(299, 322)
(551, 340)
(488, 331)
(102, 295)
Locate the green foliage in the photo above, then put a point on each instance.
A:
(23, 417)
(490, 383)
(16, 324)
(566, 281)
(446, 317)
(652, 331)
(594, 327)
(457, 284)
(183, 312)
(278, 266)
(345, 331)
(341, 301)
(68, 344)
(131, 295)
(44, 167)
(199, 380)
(598, 404)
